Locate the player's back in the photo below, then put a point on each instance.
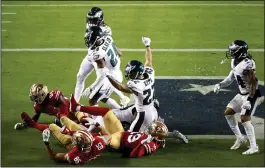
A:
(109, 53)
(144, 89)
(130, 140)
(239, 69)
(51, 103)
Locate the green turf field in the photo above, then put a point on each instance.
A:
(170, 27)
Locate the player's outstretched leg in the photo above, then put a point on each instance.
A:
(70, 124)
(112, 123)
(26, 118)
(64, 139)
(233, 124)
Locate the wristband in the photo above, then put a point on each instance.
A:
(46, 143)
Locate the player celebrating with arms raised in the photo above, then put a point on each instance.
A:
(245, 102)
(141, 83)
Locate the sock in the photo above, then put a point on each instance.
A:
(250, 133)
(231, 120)
(96, 111)
(79, 87)
(40, 127)
(114, 105)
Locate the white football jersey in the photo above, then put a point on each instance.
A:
(105, 29)
(108, 52)
(143, 90)
(238, 70)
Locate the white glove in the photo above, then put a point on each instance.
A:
(86, 92)
(246, 105)
(216, 88)
(146, 41)
(46, 135)
(89, 121)
(147, 140)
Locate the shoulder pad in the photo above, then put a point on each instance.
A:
(55, 94)
(136, 85)
(248, 64)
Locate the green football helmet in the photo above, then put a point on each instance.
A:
(134, 69)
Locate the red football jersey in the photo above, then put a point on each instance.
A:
(130, 140)
(74, 156)
(52, 105)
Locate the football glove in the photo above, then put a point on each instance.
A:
(217, 88)
(87, 92)
(246, 105)
(147, 140)
(46, 135)
(88, 121)
(146, 41)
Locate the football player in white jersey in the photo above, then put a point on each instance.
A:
(141, 79)
(102, 50)
(249, 96)
(95, 17)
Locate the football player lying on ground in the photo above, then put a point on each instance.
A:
(111, 122)
(82, 146)
(130, 144)
(51, 103)
(249, 96)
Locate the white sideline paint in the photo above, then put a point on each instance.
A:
(8, 13)
(125, 49)
(196, 77)
(6, 21)
(121, 5)
(256, 121)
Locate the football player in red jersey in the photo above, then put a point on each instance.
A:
(51, 103)
(137, 144)
(82, 146)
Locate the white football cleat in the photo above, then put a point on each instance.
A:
(20, 126)
(180, 137)
(251, 151)
(238, 143)
(125, 101)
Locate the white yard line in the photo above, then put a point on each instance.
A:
(123, 49)
(121, 5)
(196, 77)
(3, 30)
(6, 21)
(8, 13)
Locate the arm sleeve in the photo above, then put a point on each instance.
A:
(228, 80)
(138, 151)
(144, 149)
